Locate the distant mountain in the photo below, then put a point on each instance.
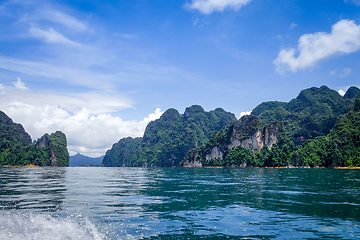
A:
(80, 160)
(167, 139)
(311, 114)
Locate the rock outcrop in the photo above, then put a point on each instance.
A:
(246, 132)
(57, 145)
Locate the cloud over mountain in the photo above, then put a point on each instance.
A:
(90, 129)
(343, 39)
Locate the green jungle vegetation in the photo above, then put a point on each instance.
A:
(121, 153)
(339, 148)
(16, 148)
(167, 139)
(319, 128)
(311, 114)
(247, 126)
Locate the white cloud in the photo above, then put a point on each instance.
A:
(332, 73)
(293, 25)
(2, 89)
(245, 113)
(49, 36)
(343, 39)
(153, 116)
(346, 72)
(209, 6)
(96, 102)
(80, 76)
(20, 85)
(341, 92)
(62, 18)
(89, 130)
(32, 11)
(357, 2)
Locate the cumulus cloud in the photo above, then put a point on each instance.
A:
(343, 39)
(209, 6)
(49, 36)
(245, 113)
(346, 72)
(20, 85)
(88, 134)
(90, 130)
(341, 92)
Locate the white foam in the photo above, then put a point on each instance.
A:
(20, 225)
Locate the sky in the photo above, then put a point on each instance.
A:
(102, 70)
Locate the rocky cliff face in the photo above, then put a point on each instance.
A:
(56, 143)
(246, 132)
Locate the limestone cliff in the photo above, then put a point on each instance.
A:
(56, 144)
(246, 132)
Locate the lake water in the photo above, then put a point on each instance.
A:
(179, 203)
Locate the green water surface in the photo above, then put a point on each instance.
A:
(179, 203)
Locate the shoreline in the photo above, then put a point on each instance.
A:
(287, 167)
(17, 166)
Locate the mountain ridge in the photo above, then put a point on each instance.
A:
(313, 113)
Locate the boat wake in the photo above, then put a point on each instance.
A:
(23, 225)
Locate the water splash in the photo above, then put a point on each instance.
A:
(25, 225)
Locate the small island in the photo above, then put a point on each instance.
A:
(16, 148)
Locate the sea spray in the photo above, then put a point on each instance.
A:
(29, 225)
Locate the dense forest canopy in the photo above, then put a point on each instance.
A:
(311, 114)
(339, 148)
(167, 139)
(306, 128)
(16, 147)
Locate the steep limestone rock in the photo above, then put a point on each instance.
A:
(246, 132)
(215, 152)
(56, 143)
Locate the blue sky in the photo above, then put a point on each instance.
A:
(101, 70)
